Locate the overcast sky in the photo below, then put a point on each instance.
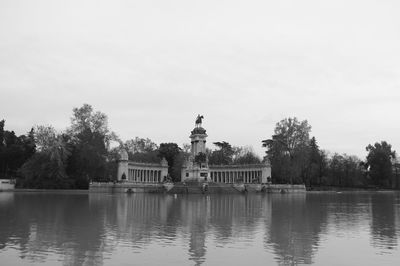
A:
(152, 66)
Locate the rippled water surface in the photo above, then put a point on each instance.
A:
(155, 229)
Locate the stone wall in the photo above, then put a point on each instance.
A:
(194, 188)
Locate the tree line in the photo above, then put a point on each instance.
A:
(296, 158)
(47, 158)
(70, 159)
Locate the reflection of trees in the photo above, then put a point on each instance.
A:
(85, 229)
(235, 216)
(62, 223)
(383, 226)
(295, 224)
(136, 218)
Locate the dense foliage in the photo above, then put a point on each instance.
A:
(226, 154)
(69, 159)
(46, 158)
(296, 158)
(14, 151)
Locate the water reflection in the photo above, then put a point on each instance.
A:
(89, 229)
(383, 226)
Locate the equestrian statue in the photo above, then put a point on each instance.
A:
(199, 119)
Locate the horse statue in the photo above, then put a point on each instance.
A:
(199, 119)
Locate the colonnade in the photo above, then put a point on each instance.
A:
(234, 176)
(145, 175)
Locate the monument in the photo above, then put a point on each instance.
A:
(196, 167)
(197, 175)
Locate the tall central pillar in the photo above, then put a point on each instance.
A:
(197, 166)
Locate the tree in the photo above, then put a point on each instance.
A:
(314, 164)
(142, 150)
(47, 167)
(170, 152)
(345, 171)
(54, 144)
(288, 150)
(200, 158)
(14, 151)
(140, 145)
(222, 156)
(2, 122)
(89, 142)
(379, 160)
(245, 155)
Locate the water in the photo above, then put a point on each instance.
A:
(156, 229)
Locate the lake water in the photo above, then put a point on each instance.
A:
(155, 229)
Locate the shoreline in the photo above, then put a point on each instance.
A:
(308, 189)
(348, 189)
(28, 190)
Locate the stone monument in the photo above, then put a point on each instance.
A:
(196, 168)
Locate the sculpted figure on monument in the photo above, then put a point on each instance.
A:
(199, 120)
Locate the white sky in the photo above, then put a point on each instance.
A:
(152, 66)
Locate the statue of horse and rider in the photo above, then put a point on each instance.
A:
(199, 119)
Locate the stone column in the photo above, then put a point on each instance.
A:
(164, 169)
(122, 169)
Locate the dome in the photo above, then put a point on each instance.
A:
(198, 130)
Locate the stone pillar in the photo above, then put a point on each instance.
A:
(164, 170)
(122, 165)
